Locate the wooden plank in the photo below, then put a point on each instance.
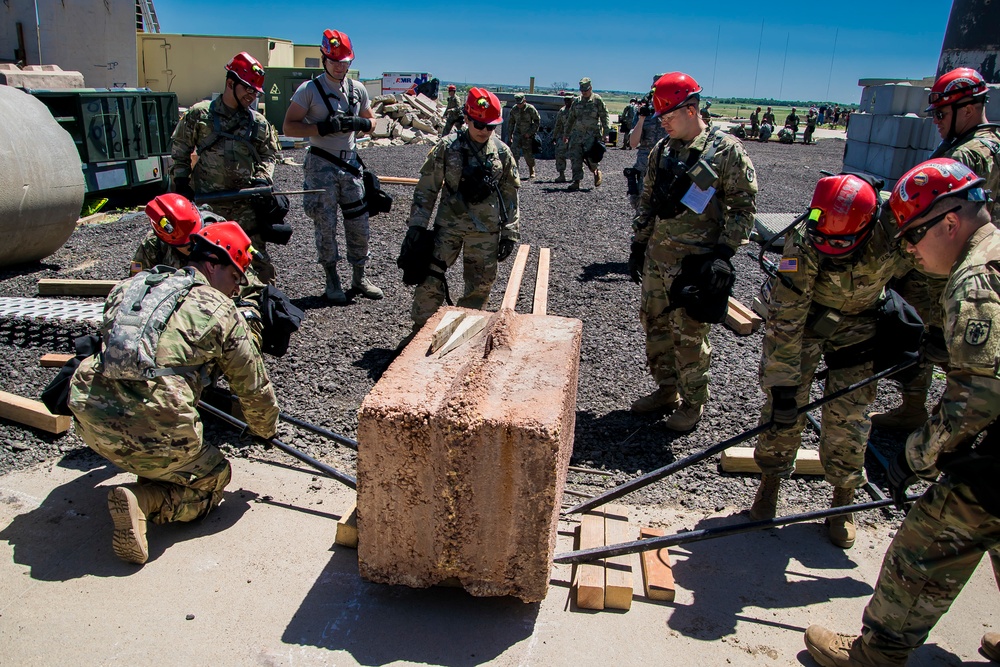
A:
(347, 528)
(514, 282)
(740, 460)
(91, 219)
(469, 327)
(67, 287)
(398, 180)
(445, 328)
(617, 570)
(31, 413)
(589, 583)
(738, 323)
(541, 302)
(54, 360)
(657, 573)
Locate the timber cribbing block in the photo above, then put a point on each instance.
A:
(657, 574)
(54, 359)
(68, 287)
(741, 319)
(347, 528)
(618, 569)
(589, 582)
(740, 459)
(31, 413)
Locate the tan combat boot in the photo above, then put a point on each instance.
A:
(363, 286)
(333, 291)
(128, 540)
(597, 177)
(991, 646)
(665, 398)
(765, 503)
(531, 171)
(831, 649)
(685, 417)
(841, 528)
(573, 187)
(910, 415)
(561, 178)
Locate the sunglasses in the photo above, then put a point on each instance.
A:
(841, 242)
(482, 126)
(916, 234)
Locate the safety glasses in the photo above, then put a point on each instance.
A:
(915, 235)
(482, 126)
(840, 242)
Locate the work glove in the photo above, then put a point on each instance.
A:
(900, 477)
(182, 186)
(504, 249)
(636, 259)
(355, 124)
(330, 126)
(717, 273)
(412, 235)
(784, 408)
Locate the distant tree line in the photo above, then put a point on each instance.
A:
(771, 102)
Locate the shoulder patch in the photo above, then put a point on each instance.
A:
(750, 174)
(977, 332)
(788, 265)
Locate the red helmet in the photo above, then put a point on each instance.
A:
(672, 90)
(336, 46)
(923, 186)
(451, 88)
(483, 106)
(841, 214)
(247, 70)
(954, 86)
(230, 237)
(173, 218)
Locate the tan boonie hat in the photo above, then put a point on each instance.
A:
(585, 84)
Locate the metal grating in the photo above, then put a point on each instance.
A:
(51, 309)
(768, 224)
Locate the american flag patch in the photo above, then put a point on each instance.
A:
(789, 265)
(136, 267)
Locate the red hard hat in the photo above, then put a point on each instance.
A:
(841, 213)
(230, 238)
(923, 186)
(483, 106)
(173, 218)
(955, 86)
(336, 46)
(672, 90)
(247, 70)
(451, 87)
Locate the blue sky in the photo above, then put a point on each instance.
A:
(830, 45)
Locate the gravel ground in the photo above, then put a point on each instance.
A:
(340, 352)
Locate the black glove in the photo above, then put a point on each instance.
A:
(355, 124)
(182, 186)
(900, 477)
(412, 235)
(784, 408)
(636, 260)
(645, 110)
(330, 126)
(718, 271)
(504, 249)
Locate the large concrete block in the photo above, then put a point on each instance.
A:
(890, 162)
(993, 103)
(896, 131)
(462, 457)
(890, 100)
(856, 154)
(860, 127)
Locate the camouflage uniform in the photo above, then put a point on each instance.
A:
(811, 118)
(677, 348)
(587, 123)
(152, 428)
(523, 125)
(652, 131)
(792, 121)
(754, 125)
(453, 114)
(559, 136)
(154, 252)
(475, 227)
(236, 148)
(769, 118)
(947, 531)
(980, 153)
(852, 285)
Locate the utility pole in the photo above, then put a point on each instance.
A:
(832, 58)
(781, 86)
(760, 43)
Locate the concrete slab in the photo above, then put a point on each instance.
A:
(265, 585)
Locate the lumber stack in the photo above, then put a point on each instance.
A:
(741, 319)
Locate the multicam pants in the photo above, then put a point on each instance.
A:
(522, 145)
(677, 349)
(923, 292)
(479, 269)
(936, 550)
(561, 149)
(339, 189)
(579, 143)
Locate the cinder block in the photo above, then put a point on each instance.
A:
(860, 127)
(462, 457)
(855, 154)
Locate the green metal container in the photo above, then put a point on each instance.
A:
(280, 83)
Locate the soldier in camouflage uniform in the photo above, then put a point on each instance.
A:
(150, 426)
(667, 231)
(473, 218)
(958, 107)
(524, 122)
(833, 277)
(453, 112)
(561, 137)
(755, 124)
(647, 132)
(173, 219)
(792, 122)
(769, 118)
(237, 148)
(941, 210)
(331, 110)
(811, 119)
(587, 123)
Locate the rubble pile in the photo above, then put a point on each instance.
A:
(406, 119)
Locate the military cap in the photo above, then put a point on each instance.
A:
(585, 84)
(518, 97)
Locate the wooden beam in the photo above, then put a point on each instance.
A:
(657, 573)
(398, 180)
(541, 302)
(741, 319)
(589, 582)
(514, 282)
(467, 328)
(67, 287)
(740, 460)
(54, 360)
(347, 528)
(31, 413)
(618, 570)
(91, 219)
(748, 313)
